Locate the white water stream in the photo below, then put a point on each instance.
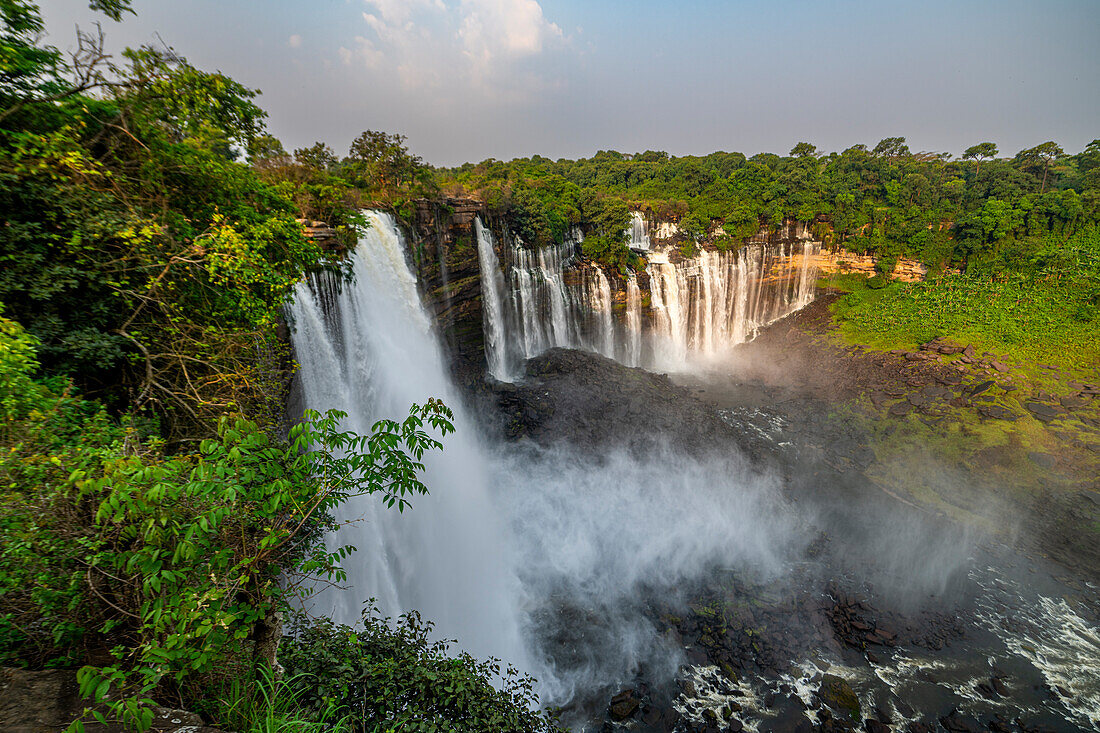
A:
(539, 556)
(371, 352)
(698, 308)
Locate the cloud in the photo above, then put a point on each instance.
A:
(488, 48)
(509, 28)
(295, 41)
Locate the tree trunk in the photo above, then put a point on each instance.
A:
(266, 635)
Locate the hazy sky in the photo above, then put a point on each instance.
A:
(471, 79)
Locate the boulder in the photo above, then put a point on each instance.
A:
(838, 695)
(623, 705)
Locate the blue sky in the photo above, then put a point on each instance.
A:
(471, 79)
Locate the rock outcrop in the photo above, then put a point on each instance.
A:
(443, 249)
(48, 701)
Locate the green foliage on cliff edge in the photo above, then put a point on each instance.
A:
(149, 262)
(391, 676)
(979, 211)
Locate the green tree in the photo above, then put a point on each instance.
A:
(317, 156)
(891, 148)
(1041, 156)
(381, 159)
(978, 153)
(803, 150)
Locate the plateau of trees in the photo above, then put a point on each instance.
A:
(979, 211)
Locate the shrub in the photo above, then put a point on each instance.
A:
(159, 572)
(392, 676)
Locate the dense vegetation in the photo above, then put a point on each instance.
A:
(981, 212)
(154, 522)
(1047, 315)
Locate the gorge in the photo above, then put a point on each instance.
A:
(699, 563)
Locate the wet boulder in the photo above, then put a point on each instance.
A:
(839, 695)
(623, 705)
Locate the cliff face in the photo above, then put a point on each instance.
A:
(443, 249)
(444, 252)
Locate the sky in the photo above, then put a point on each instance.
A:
(467, 80)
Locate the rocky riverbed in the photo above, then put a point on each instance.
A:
(947, 562)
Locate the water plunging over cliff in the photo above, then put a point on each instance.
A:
(367, 348)
(697, 307)
(638, 232)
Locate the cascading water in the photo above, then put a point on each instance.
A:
(552, 558)
(367, 348)
(638, 232)
(509, 546)
(492, 299)
(698, 306)
(633, 355)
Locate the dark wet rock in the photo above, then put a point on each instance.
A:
(997, 412)
(838, 695)
(790, 721)
(1042, 459)
(979, 388)
(956, 722)
(919, 727)
(986, 690)
(903, 708)
(735, 726)
(874, 726)
(595, 403)
(623, 705)
(1042, 411)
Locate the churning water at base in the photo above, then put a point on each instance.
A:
(367, 348)
(549, 558)
(514, 553)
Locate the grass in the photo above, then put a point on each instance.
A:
(1049, 321)
(271, 707)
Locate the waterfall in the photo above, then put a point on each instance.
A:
(699, 306)
(492, 303)
(633, 355)
(638, 232)
(599, 305)
(670, 335)
(367, 347)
